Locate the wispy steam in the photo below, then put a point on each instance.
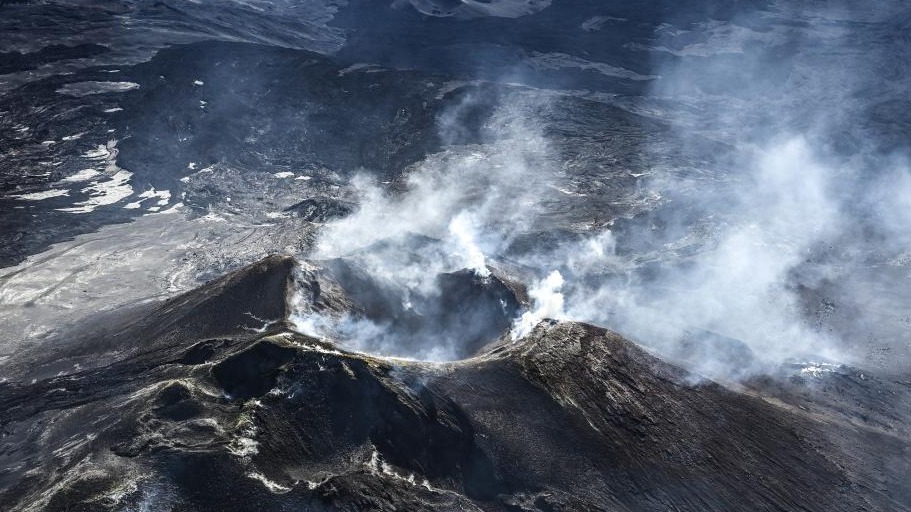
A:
(547, 302)
(739, 284)
(789, 218)
(797, 219)
(450, 212)
(462, 233)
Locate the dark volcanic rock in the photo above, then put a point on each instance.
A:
(572, 417)
(252, 372)
(15, 61)
(321, 209)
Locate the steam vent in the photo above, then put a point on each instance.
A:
(434, 255)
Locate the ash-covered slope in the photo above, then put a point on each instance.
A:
(209, 402)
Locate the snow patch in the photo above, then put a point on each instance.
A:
(83, 175)
(100, 153)
(80, 89)
(45, 194)
(272, 486)
(103, 193)
(174, 209)
(163, 196)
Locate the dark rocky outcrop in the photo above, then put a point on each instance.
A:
(321, 209)
(11, 62)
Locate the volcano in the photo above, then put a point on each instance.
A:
(211, 401)
(521, 255)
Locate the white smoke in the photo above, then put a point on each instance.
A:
(462, 235)
(740, 286)
(547, 302)
(741, 240)
(793, 241)
(449, 212)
